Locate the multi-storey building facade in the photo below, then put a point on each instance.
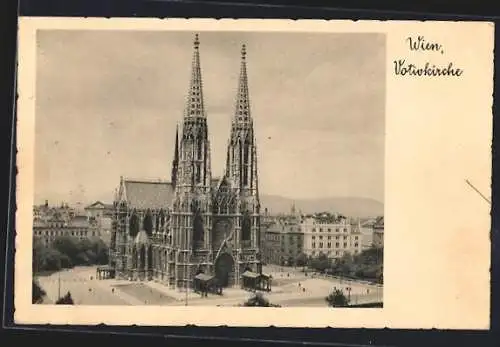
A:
(272, 243)
(283, 239)
(332, 235)
(52, 222)
(102, 214)
(195, 223)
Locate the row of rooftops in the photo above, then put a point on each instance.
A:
(64, 216)
(323, 218)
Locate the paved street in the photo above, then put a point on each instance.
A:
(84, 291)
(291, 287)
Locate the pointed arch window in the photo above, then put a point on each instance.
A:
(134, 225)
(134, 258)
(157, 223)
(147, 224)
(246, 228)
(198, 230)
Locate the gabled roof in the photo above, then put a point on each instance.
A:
(250, 274)
(214, 182)
(148, 194)
(97, 204)
(222, 181)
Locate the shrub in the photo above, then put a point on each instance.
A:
(337, 299)
(258, 300)
(65, 300)
(37, 293)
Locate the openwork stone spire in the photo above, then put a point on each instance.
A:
(195, 105)
(242, 111)
(194, 146)
(242, 158)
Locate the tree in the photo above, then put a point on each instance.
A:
(301, 259)
(337, 299)
(321, 263)
(37, 293)
(65, 300)
(67, 245)
(100, 250)
(258, 300)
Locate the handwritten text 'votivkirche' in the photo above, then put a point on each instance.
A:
(419, 44)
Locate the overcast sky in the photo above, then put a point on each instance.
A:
(107, 104)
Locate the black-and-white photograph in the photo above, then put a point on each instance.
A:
(180, 168)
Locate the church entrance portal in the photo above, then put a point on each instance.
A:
(224, 266)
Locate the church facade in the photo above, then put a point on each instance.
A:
(171, 231)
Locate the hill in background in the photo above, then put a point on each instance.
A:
(349, 206)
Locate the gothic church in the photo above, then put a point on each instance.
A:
(195, 223)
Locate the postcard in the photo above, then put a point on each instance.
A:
(243, 172)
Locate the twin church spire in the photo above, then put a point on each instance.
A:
(195, 103)
(191, 164)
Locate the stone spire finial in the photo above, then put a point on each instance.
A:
(196, 41)
(243, 51)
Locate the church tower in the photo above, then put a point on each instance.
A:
(175, 161)
(241, 167)
(191, 209)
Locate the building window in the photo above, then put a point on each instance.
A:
(314, 245)
(345, 230)
(329, 245)
(314, 237)
(329, 237)
(337, 244)
(313, 230)
(321, 245)
(320, 230)
(345, 244)
(337, 230)
(329, 229)
(356, 244)
(356, 238)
